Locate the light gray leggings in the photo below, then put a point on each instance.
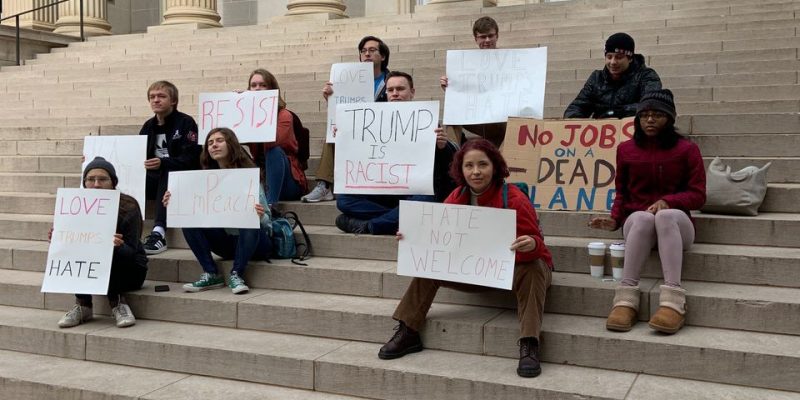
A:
(674, 232)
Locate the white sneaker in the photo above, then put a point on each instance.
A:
(76, 316)
(320, 193)
(122, 313)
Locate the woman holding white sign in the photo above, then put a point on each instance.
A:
(660, 179)
(129, 262)
(223, 150)
(284, 174)
(480, 170)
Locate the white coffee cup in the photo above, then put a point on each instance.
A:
(597, 253)
(617, 251)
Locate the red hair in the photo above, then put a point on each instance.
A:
(498, 162)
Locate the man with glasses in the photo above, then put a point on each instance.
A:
(614, 91)
(370, 49)
(485, 32)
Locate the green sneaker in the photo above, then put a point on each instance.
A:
(236, 283)
(207, 281)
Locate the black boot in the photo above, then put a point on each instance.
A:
(529, 366)
(404, 341)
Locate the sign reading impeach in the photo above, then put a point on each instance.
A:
(569, 164)
(214, 198)
(457, 243)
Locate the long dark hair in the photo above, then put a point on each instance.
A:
(498, 162)
(271, 81)
(666, 139)
(237, 156)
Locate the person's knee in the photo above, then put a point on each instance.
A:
(667, 217)
(641, 220)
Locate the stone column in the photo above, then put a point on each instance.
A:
(334, 8)
(95, 18)
(43, 20)
(201, 12)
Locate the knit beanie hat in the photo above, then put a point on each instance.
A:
(658, 100)
(620, 43)
(101, 163)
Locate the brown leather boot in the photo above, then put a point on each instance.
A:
(404, 341)
(672, 307)
(626, 306)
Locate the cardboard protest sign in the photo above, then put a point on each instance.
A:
(127, 155)
(352, 83)
(386, 148)
(252, 114)
(82, 245)
(457, 243)
(213, 198)
(569, 164)
(491, 85)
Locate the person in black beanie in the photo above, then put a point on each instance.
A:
(128, 263)
(614, 91)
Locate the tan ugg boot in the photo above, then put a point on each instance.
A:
(672, 307)
(626, 305)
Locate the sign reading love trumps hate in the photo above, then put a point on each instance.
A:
(127, 154)
(352, 83)
(82, 244)
(213, 198)
(490, 85)
(386, 148)
(457, 243)
(252, 114)
(569, 164)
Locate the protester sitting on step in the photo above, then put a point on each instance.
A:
(285, 178)
(479, 169)
(660, 178)
(370, 49)
(614, 91)
(380, 214)
(486, 33)
(222, 150)
(128, 263)
(171, 146)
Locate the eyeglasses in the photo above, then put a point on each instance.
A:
(652, 114)
(370, 50)
(96, 179)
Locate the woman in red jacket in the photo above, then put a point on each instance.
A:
(660, 178)
(479, 171)
(285, 178)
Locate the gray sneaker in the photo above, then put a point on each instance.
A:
(320, 193)
(122, 313)
(76, 316)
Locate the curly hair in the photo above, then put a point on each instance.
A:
(498, 162)
(237, 156)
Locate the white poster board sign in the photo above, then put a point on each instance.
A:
(457, 243)
(352, 83)
(252, 114)
(213, 198)
(491, 85)
(127, 154)
(82, 244)
(386, 148)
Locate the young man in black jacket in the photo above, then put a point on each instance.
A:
(171, 146)
(614, 91)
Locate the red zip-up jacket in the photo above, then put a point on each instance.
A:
(527, 222)
(648, 174)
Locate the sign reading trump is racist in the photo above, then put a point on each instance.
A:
(569, 164)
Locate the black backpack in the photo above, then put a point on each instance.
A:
(303, 136)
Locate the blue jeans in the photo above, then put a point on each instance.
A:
(280, 182)
(249, 244)
(381, 212)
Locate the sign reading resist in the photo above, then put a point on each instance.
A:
(82, 245)
(213, 198)
(457, 243)
(252, 114)
(386, 148)
(352, 83)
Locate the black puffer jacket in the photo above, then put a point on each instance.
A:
(602, 97)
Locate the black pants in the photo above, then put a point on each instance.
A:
(126, 276)
(155, 188)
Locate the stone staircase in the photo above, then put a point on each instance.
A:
(313, 332)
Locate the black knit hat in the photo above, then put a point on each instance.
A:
(658, 100)
(101, 163)
(620, 43)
